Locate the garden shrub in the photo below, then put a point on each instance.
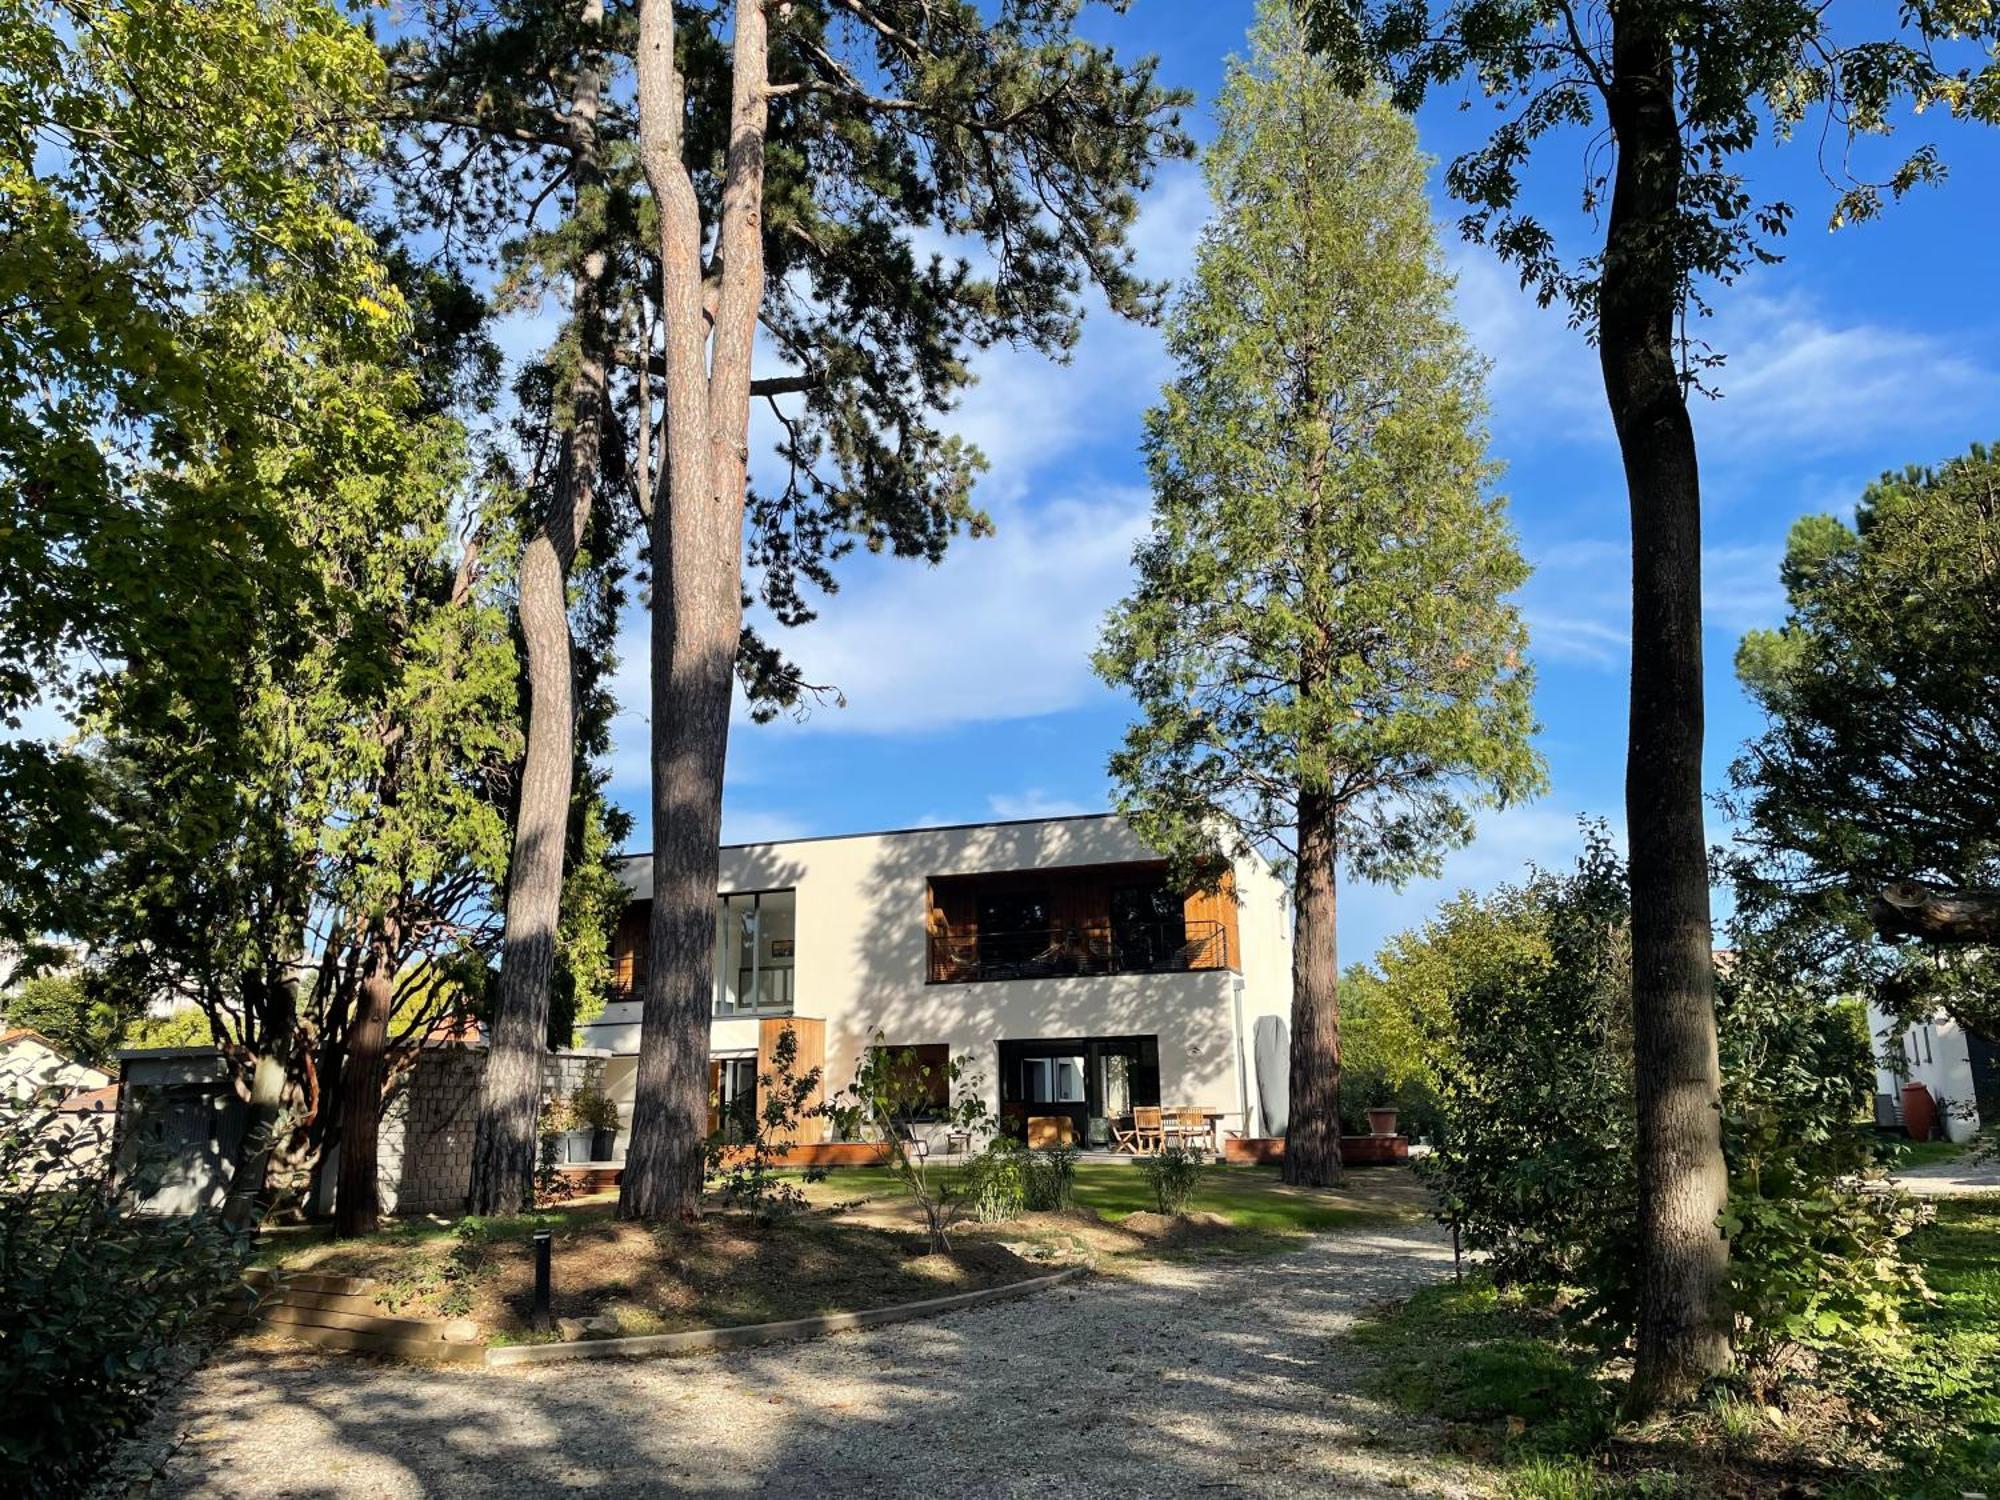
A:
(1536, 1162)
(997, 1181)
(1175, 1175)
(101, 1305)
(1051, 1179)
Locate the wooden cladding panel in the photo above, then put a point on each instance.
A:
(1079, 898)
(628, 947)
(811, 1034)
(1219, 906)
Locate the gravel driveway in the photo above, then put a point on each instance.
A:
(1166, 1378)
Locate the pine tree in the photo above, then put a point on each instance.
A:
(789, 151)
(1320, 643)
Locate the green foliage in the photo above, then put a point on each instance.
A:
(183, 1028)
(1813, 1262)
(592, 898)
(1536, 1163)
(1875, 763)
(999, 125)
(1175, 1175)
(1051, 1184)
(1321, 607)
(1738, 76)
(85, 1026)
(103, 1307)
(746, 1172)
(996, 1185)
(172, 184)
(592, 1108)
(893, 1094)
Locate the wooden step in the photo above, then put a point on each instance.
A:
(364, 1322)
(263, 1278)
(432, 1349)
(347, 1302)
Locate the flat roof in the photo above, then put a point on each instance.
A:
(883, 833)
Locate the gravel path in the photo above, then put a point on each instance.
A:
(1171, 1378)
(1951, 1179)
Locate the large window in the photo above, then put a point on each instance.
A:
(1052, 1080)
(1148, 927)
(755, 953)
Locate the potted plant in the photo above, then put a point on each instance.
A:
(1382, 1120)
(596, 1117)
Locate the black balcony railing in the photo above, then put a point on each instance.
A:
(1063, 950)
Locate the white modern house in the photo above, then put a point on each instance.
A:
(1960, 1068)
(1054, 954)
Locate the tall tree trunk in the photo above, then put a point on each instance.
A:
(357, 1205)
(697, 592)
(503, 1153)
(1312, 1132)
(1683, 1333)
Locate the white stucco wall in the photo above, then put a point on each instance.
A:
(29, 1065)
(1933, 1053)
(862, 958)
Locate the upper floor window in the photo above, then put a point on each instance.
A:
(1100, 919)
(756, 951)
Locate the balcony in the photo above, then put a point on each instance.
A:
(1074, 949)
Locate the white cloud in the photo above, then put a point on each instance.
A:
(1579, 603)
(1034, 803)
(1544, 379)
(1791, 376)
(1003, 628)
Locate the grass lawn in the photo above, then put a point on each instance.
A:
(723, 1272)
(1539, 1414)
(1250, 1198)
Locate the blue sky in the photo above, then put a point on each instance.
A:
(968, 686)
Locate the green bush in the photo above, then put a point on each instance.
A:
(101, 1305)
(1175, 1175)
(1051, 1179)
(1536, 1161)
(997, 1181)
(1535, 1157)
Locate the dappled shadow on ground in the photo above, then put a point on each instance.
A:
(1193, 1377)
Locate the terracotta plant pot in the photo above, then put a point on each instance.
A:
(1382, 1121)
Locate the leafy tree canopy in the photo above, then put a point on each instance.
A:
(1880, 756)
(1322, 604)
(938, 180)
(1741, 73)
(162, 158)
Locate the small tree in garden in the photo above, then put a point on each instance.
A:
(1321, 646)
(745, 1172)
(893, 1093)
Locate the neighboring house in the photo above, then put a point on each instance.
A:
(1053, 954)
(30, 1062)
(1959, 1067)
(75, 1104)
